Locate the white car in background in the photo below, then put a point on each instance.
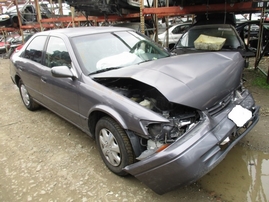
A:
(241, 18)
(174, 33)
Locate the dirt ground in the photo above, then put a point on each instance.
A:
(259, 138)
(44, 158)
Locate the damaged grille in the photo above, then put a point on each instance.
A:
(215, 109)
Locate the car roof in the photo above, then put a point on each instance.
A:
(80, 31)
(14, 8)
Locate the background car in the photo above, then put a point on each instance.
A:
(27, 12)
(99, 8)
(251, 31)
(241, 18)
(253, 28)
(151, 113)
(4, 45)
(7, 42)
(174, 33)
(137, 26)
(17, 43)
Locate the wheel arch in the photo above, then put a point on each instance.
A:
(17, 79)
(15, 21)
(100, 111)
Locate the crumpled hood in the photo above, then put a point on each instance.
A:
(196, 80)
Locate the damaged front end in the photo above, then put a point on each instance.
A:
(189, 128)
(191, 143)
(203, 145)
(181, 119)
(158, 135)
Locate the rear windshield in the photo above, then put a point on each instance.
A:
(232, 40)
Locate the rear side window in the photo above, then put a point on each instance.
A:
(35, 48)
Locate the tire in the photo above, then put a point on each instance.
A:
(113, 145)
(27, 100)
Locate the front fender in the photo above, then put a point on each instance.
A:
(110, 112)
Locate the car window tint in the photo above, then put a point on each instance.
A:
(35, 48)
(57, 54)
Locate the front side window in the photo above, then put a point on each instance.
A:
(35, 48)
(57, 54)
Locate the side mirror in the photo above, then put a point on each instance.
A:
(62, 72)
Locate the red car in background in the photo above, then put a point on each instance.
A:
(17, 43)
(6, 42)
(4, 46)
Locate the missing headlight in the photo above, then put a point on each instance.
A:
(176, 127)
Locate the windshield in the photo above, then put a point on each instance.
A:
(232, 40)
(101, 52)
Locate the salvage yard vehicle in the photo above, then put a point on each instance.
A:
(148, 30)
(7, 42)
(174, 33)
(18, 42)
(251, 31)
(167, 120)
(28, 15)
(99, 7)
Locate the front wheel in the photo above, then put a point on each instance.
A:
(114, 145)
(28, 101)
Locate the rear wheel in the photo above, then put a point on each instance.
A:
(26, 97)
(114, 145)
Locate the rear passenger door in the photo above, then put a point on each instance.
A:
(30, 64)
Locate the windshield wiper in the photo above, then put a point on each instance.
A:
(144, 61)
(104, 70)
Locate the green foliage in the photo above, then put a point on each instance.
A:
(260, 80)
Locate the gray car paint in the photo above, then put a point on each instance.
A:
(191, 78)
(189, 158)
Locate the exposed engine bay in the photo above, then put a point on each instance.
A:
(181, 118)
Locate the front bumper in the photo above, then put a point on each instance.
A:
(194, 155)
